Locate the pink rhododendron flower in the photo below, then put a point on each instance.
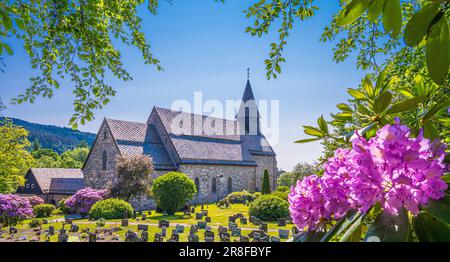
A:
(83, 200)
(391, 168)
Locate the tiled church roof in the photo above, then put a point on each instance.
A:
(58, 180)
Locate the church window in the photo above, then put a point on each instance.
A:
(247, 120)
(214, 185)
(104, 159)
(230, 185)
(104, 134)
(197, 184)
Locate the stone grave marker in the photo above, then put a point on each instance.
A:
(12, 230)
(209, 239)
(201, 224)
(92, 237)
(163, 223)
(283, 233)
(74, 228)
(256, 237)
(232, 225)
(244, 239)
(180, 228)
(264, 239)
(236, 232)
(198, 216)
(281, 222)
(243, 220)
(175, 236)
(192, 210)
(204, 213)
(149, 212)
(51, 230)
(239, 215)
(144, 217)
(143, 227)
(193, 229)
(158, 238)
(124, 222)
(231, 219)
(259, 232)
(63, 237)
(251, 218)
(144, 236)
(193, 238)
(256, 221)
(164, 231)
(208, 219)
(209, 234)
(275, 239)
(222, 229)
(263, 227)
(131, 236)
(225, 239)
(224, 235)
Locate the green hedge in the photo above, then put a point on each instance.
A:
(269, 208)
(241, 197)
(111, 208)
(44, 210)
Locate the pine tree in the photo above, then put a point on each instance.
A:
(36, 145)
(266, 183)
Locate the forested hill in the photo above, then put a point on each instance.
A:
(57, 138)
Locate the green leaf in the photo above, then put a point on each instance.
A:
(344, 107)
(20, 23)
(375, 9)
(406, 106)
(437, 107)
(367, 85)
(389, 228)
(382, 102)
(340, 225)
(6, 21)
(381, 79)
(352, 12)
(322, 125)
(417, 27)
(439, 209)
(420, 85)
(437, 51)
(352, 232)
(312, 131)
(356, 94)
(303, 141)
(429, 130)
(344, 116)
(392, 17)
(8, 49)
(312, 236)
(429, 229)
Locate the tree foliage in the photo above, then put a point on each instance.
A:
(172, 191)
(14, 158)
(133, 177)
(265, 188)
(300, 170)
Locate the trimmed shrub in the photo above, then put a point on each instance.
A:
(265, 190)
(101, 222)
(44, 210)
(241, 197)
(35, 223)
(283, 189)
(112, 208)
(172, 191)
(35, 200)
(269, 208)
(281, 194)
(13, 209)
(83, 200)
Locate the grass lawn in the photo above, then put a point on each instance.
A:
(219, 217)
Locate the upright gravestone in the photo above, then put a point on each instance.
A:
(208, 219)
(92, 237)
(222, 229)
(224, 235)
(144, 236)
(283, 233)
(193, 238)
(263, 227)
(204, 213)
(51, 230)
(256, 221)
(158, 238)
(243, 220)
(251, 218)
(74, 228)
(209, 239)
(198, 216)
(12, 230)
(164, 231)
(144, 217)
(63, 237)
(193, 229)
(143, 227)
(232, 225)
(244, 239)
(209, 234)
(163, 223)
(282, 222)
(275, 239)
(124, 222)
(201, 224)
(175, 236)
(236, 232)
(180, 228)
(231, 219)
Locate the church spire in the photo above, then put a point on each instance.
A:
(248, 115)
(248, 92)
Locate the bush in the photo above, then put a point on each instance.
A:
(283, 189)
(241, 197)
(13, 209)
(172, 191)
(35, 223)
(35, 200)
(44, 210)
(265, 190)
(83, 200)
(101, 222)
(281, 194)
(112, 208)
(62, 206)
(269, 208)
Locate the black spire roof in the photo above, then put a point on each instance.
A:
(248, 93)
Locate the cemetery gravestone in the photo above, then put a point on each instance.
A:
(209, 239)
(232, 219)
(232, 225)
(204, 213)
(193, 238)
(198, 216)
(256, 221)
(283, 233)
(12, 230)
(236, 232)
(274, 239)
(243, 220)
(163, 223)
(143, 227)
(63, 237)
(74, 228)
(281, 222)
(208, 219)
(193, 229)
(180, 228)
(244, 239)
(222, 230)
(263, 227)
(51, 230)
(144, 217)
(144, 236)
(201, 224)
(164, 231)
(158, 238)
(124, 222)
(92, 237)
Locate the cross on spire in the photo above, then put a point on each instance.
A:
(248, 73)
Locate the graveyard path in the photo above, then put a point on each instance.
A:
(183, 224)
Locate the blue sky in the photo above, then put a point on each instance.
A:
(202, 47)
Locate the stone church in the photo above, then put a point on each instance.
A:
(231, 157)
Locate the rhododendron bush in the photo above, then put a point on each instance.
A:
(393, 183)
(13, 209)
(83, 200)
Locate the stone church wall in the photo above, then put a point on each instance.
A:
(263, 163)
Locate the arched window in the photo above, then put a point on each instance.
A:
(197, 184)
(230, 185)
(104, 134)
(214, 185)
(104, 159)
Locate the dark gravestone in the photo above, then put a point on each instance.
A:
(222, 235)
(232, 225)
(144, 217)
(263, 227)
(192, 210)
(131, 236)
(193, 229)
(232, 219)
(51, 230)
(209, 234)
(264, 239)
(63, 237)
(244, 239)
(208, 219)
(201, 224)
(236, 232)
(222, 230)
(180, 228)
(239, 215)
(164, 231)
(198, 216)
(295, 230)
(208, 228)
(209, 239)
(163, 223)
(281, 222)
(175, 236)
(92, 237)
(144, 236)
(225, 239)
(243, 220)
(143, 227)
(259, 232)
(204, 213)
(193, 238)
(256, 221)
(74, 228)
(275, 239)
(283, 233)
(12, 230)
(251, 219)
(149, 212)
(124, 222)
(158, 238)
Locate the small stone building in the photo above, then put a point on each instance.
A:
(226, 156)
(52, 184)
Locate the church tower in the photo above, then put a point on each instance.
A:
(248, 115)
